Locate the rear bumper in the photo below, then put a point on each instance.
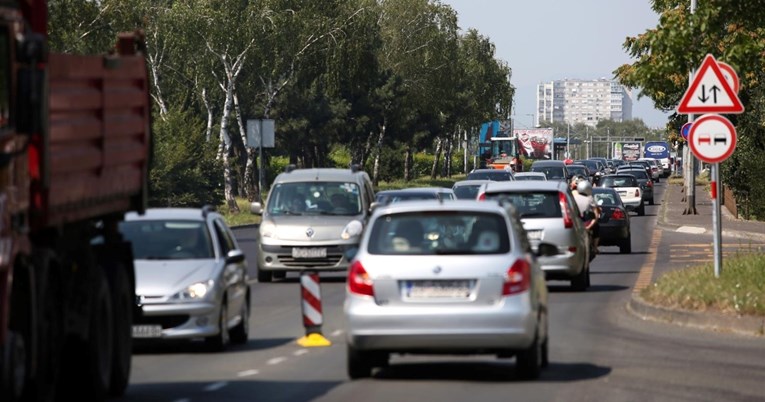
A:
(612, 234)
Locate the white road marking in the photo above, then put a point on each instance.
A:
(276, 360)
(300, 352)
(215, 386)
(691, 229)
(336, 333)
(247, 373)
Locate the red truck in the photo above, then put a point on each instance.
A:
(74, 153)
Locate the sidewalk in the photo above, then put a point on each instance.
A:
(671, 216)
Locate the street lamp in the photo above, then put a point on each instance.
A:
(568, 141)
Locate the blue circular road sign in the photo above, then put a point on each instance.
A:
(686, 130)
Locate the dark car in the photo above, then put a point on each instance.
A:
(614, 220)
(490, 174)
(554, 170)
(578, 170)
(645, 181)
(415, 194)
(468, 189)
(594, 167)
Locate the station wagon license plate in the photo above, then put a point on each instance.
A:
(309, 252)
(534, 234)
(147, 331)
(439, 289)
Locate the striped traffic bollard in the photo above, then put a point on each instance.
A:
(310, 300)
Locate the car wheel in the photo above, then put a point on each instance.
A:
(218, 343)
(528, 362)
(579, 282)
(545, 353)
(264, 276)
(240, 334)
(625, 247)
(650, 202)
(359, 364)
(641, 210)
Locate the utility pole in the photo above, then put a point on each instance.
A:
(689, 160)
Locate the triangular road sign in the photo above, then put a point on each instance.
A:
(710, 92)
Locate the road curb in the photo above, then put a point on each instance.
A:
(743, 325)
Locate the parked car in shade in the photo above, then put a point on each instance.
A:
(554, 170)
(191, 277)
(490, 174)
(446, 278)
(415, 194)
(645, 182)
(467, 189)
(629, 190)
(550, 215)
(520, 176)
(614, 219)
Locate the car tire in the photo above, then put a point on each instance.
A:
(546, 353)
(580, 282)
(264, 276)
(219, 342)
(240, 334)
(528, 362)
(625, 246)
(359, 364)
(641, 210)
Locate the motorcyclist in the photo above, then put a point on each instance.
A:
(589, 210)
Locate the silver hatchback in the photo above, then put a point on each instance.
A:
(549, 214)
(446, 278)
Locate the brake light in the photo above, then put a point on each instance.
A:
(481, 197)
(359, 281)
(567, 221)
(650, 184)
(617, 215)
(518, 278)
(637, 193)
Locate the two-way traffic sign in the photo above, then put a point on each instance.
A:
(712, 138)
(711, 91)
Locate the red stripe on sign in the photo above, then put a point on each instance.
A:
(311, 300)
(713, 185)
(307, 322)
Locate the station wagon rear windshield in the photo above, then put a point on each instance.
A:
(168, 239)
(551, 172)
(469, 192)
(617, 181)
(532, 204)
(315, 198)
(495, 175)
(442, 232)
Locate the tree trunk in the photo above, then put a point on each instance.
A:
(367, 146)
(446, 170)
(228, 185)
(436, 159)
(378, 152)
(249, 157)
(408, 163)
(208, 130)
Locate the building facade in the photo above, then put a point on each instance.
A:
(583, 101)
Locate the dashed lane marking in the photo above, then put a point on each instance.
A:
(336, 333)
(646, 271)
(247, 373)
(276, 360)
(215, 386)
(300, 352)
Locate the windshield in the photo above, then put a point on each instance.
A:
(532, 204)
(315, 198)
(168, 239)
(396, 196)
(606, 198)
(443, 232)
(551, 172)
(617, 181)
(467, 192)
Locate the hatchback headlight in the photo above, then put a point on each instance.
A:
(268, 229)
(352, 229)
(196, 292)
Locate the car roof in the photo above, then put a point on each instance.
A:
(319, 174)
(488, 171)
(530, 174)
(551, 185)
(434, 205)
(548, 163)
(195, 214)
(471, 182)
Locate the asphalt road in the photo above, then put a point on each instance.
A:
(598, 351)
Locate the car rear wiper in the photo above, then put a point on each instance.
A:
(156, 257)
(450, 251)
(533, 214)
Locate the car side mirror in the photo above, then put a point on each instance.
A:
(234, 257)
(256, 208)
(373, 206)
(546, 250)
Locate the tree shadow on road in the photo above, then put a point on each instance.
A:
(592, 289)
(197, 346)
(240, 390)
(499, 371)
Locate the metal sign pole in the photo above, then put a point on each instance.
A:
(716, 224)
(260, 173)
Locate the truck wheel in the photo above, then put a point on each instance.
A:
(50, 326)
(17, 360)
(122, 306)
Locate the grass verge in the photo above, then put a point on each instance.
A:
(740, 289)
(679, 180)
(244, 217)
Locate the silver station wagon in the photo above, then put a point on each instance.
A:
(453, 277)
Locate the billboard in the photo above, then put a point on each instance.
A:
(535, 143)
(656, 150)
(628, 151)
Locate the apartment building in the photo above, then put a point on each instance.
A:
(583, 101)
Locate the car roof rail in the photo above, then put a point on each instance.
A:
(355, 167)
(207, 209)
(289, 168)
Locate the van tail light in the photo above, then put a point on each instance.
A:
(617, 215)
(567, 221)
(518, 278)
(359, 281)
(481, 197)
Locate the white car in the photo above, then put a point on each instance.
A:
(629, 191)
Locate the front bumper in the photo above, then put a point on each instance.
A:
(279, 258)
(181, 320)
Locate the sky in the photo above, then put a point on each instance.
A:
(546, 40)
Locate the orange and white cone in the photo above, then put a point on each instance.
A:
(310, 298)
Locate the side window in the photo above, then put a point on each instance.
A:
(225, 241)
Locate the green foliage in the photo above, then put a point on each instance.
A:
(184, 171)
(740, 289)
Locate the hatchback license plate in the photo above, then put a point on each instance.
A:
(309, 252)
(534, 234)
(438, 289)
(147, 331)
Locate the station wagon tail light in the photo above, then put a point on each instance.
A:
(617, 215)
(359, 281)
(518, 278)
(567, 221)
(637, 193)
